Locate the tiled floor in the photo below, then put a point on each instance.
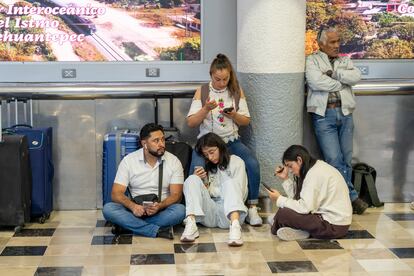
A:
(380, 242)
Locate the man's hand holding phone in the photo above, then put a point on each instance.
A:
(151, 208)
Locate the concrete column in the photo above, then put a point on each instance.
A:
(270, 65)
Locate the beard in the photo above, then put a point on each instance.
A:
(157, 153)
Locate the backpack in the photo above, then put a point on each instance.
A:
(363, 177)
(205, 90)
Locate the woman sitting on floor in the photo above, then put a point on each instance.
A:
(317, 202)
(215, 196)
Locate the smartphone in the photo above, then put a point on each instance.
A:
(204, 179)
(147, 203)
(228, 109)
(266, 186)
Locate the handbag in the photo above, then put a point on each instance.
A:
(151, 197)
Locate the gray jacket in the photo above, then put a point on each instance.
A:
(345, 74)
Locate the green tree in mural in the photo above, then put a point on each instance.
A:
(401, 31)
(385, 19)
(316, 15)
(352, 28)
(390, 48)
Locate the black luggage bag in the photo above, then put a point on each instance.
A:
(15, 179)
(172, 142)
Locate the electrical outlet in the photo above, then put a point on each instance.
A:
(152, 72)
(364, 70)
(68, 73)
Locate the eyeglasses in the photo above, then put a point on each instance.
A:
(211, 151)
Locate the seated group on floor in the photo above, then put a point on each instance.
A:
(149, 186)
(225, 173)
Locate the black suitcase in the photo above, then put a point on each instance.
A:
(183, 151)
(173, 144)
(15, 180)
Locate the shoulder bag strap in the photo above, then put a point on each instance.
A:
(369, 179)
(204, 93)
(160, 169)
(357, 180)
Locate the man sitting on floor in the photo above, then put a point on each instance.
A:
(139, 171)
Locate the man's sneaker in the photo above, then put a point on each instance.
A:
(235, 236)
(253, 217)
(291, 234)
(191, 231)
(412, 205)
(166, 233)
(271, 219)
(359, 206)
(118, 230)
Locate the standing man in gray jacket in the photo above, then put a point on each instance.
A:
(331, 101)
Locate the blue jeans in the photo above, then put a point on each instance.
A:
(334, 133)
(252, 167)
(147, 226)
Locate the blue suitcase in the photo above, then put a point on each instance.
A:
(116, 146)
(41, 161)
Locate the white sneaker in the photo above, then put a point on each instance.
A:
(253, 217)
(291, 234)
(191, 231)
(235, 236)
(412, 205)
(271, 219)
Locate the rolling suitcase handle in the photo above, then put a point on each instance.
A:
(16, 112)
(171, 127)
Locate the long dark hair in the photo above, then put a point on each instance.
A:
(291, 154)
(222, 62)
(213, 140)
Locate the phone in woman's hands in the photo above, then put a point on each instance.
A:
(228, 109)
(267, 187)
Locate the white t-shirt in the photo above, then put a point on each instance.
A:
(215, 121)
(143, 179)
(235, 172)
(324, 192)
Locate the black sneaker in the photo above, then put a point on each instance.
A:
(166, 233)
(118, 230)
(359, 206)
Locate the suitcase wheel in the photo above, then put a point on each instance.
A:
(43, 218)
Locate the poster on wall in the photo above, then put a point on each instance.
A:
(382, 29)
(100, 30)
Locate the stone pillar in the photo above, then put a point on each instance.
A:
(270, 65)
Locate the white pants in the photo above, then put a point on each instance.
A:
(214, 212)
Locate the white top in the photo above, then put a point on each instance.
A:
(143, 179)
(235, 172)
(215, 121)
(324, 192)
